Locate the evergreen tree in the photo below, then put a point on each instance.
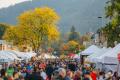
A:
(73, 36)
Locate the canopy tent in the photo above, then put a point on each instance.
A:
(6, 56)
(94, 57)
(47, 56)
(31, 54)
(21, 55)
(44, 56)
(24, 55)
(110, 57)
(90, 50)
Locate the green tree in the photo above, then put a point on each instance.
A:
(112, 30)
(73, 36)
(111, 34)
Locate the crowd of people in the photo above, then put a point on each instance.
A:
(54, 70)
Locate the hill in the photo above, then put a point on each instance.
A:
(80, 13)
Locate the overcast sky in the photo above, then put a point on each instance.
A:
(7, 3)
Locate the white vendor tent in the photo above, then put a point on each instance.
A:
(44, 56)
(31, 54)
(21, 55)
(110, 57)
(24, 55)
(5, 58)
(47, 56)
(5, 55)
(90, 50)
(94, 57)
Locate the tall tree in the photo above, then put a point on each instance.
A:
(73, 36)
(37, 27)
(112, 30)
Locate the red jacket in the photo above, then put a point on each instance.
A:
(93, 76)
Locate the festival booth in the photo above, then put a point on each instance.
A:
(109, 59)
(24, 55)
(16, 55)
(10, 56)
(46, 56)
(7, 57)
(94, 57)
(89, 51)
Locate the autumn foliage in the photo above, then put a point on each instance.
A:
(34, 28)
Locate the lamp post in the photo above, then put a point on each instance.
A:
(100, 18)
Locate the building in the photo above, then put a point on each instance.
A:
(5, 45)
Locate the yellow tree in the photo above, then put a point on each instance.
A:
(35, 27)
(72, 45)
(11, 34)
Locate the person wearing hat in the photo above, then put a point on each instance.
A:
(87, 76)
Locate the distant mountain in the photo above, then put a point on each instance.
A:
(80, 13)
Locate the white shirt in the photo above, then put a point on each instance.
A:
(43, 75)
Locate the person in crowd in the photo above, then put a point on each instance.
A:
(108, 76)
(36, 75)
(55, 75)
(93, 75)
(29, 67)
(78, 75)
(10, 78)
(49, 71)
(115, 76)
(43, 74)
(24, 72)
(72, 66)
(10, 71)
(21, 77)
(69, 74)
(3, 74)
(54, 70)
(16, 76)
(101, 76)
(62, 74)
(87, 76)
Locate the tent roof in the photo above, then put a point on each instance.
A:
(95, 56)
(90, 50)
(110, 56)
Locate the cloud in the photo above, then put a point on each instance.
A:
(7, 3)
